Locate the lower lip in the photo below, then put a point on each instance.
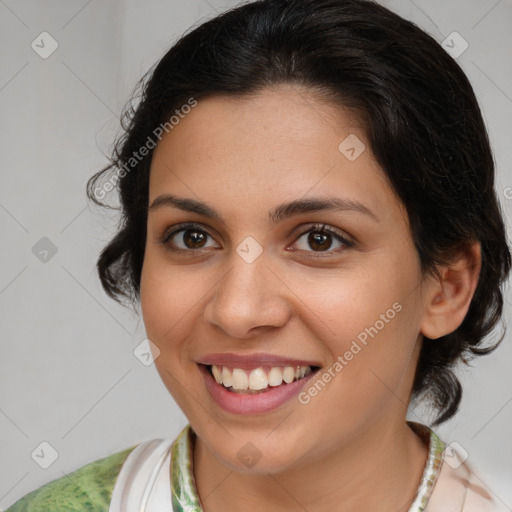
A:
(239, 403)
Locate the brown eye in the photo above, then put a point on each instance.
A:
(321, 239)
(194, 239)
(188, 237)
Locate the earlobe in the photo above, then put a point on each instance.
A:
(449, 296)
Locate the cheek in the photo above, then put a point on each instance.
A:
(168, 296)
(369, 319)
(167, 302)
(342, 303)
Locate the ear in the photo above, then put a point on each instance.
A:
(448, 298)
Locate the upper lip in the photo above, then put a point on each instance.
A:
(249, 362)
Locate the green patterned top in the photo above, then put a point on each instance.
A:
(90, 488)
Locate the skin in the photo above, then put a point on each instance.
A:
(243, 157)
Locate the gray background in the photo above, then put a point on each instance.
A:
(68, 375)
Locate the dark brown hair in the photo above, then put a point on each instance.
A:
(422, 120)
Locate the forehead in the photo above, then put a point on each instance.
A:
(280, 144)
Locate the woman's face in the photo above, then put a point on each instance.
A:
(258, 275)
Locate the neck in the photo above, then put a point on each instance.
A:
(387, 458)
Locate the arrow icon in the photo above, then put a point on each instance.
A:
(249, 249)
(454, 44)
(146, 352)
(44, 455)
(44, 250)
(44, 45)
(249, 455)
(351, 147)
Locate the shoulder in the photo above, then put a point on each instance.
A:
(459, 488)
(89, 488)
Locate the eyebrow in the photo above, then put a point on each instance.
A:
(277, 214)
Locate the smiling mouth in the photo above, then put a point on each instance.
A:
(258, 380)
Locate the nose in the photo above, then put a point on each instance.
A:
(250, 299)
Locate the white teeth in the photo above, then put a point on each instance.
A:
(257, 379)
(217, 373)
(226, 377)
(288, 374)
(240, 379)
(275, 377)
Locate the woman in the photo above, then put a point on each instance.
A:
(311, 230)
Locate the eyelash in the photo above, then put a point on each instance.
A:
(321, 228)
